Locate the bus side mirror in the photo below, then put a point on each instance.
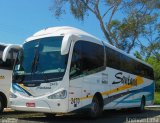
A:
(8, 48)
(66, 42)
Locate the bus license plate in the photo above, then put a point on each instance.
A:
(30, 104)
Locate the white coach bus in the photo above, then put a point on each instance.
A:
(64, 69)
(5, 75)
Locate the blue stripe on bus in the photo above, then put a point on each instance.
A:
(149, 97)
(16, 87)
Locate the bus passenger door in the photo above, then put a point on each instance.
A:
(75, 94)
(76, 78)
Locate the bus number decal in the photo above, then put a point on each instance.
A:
(75, 101)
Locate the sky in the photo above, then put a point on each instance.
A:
(19, 19)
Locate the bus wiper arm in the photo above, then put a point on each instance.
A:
(55, 79)
(35, 61)
(45, 77)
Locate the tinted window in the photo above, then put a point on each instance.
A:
(76, 63)
(122, 62)
(113, 58)
(92, 56)
(87, 58)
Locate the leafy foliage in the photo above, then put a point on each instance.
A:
(123, 33)
(156, 66)
(157, 98)
(138, 55)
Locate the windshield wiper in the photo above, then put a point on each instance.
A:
(55, 79)
(35, 60)
(34, 64)
(45, 77)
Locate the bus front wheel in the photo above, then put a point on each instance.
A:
(96, 108)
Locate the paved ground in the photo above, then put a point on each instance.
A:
(120, 116)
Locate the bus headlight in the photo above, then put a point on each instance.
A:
(58, 95)
(12, 95)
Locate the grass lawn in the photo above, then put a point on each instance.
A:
(157, 98)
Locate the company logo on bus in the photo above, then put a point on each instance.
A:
(126, 80)
(2, 77)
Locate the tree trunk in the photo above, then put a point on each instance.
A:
(106, 34)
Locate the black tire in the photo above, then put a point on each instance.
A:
(142, 105)
(49, 115)
(96, 109)
(1, 105)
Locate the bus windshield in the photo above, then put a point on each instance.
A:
(41, 56)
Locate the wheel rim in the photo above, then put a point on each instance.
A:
(142, 105)
(0, 105)
(95, 106)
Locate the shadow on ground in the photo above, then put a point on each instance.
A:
(112, 116)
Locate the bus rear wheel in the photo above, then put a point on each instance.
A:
(142, 105)
(96, 108)
(1, 105)
(49, 115)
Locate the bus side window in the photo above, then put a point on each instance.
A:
(9, 62)
(14, 56)
(1, 53)
(92, 57)
(75, 69)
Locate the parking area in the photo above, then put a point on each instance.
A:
(111, 116)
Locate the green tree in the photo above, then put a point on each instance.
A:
(138, 55)
(152, 36)
(123, 33)
(156, 66)
(128, 31)
(153, 49)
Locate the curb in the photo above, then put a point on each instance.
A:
(153, 106)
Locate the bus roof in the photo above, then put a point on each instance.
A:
(60, 31)
(2, 44)
(65, 30)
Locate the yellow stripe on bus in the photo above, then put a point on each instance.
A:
(22, 86)
(121, 88)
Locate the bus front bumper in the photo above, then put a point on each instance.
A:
(46, 106)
